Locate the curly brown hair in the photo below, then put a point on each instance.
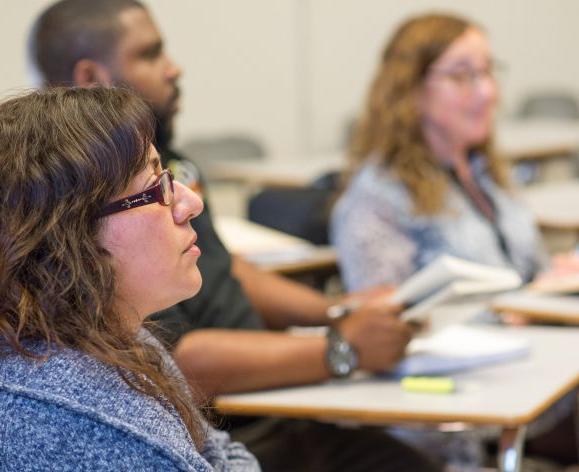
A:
(64, 153)
(390, 125)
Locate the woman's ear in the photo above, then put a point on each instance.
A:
(88, 73)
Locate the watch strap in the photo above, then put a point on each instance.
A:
(341, 357)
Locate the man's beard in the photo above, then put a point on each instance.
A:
(163, 118)
(163, 131)
(164, 122)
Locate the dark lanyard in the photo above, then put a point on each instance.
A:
(492, 219)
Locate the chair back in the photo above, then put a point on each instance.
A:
(302, 212)
(228, 147)
(558, 105)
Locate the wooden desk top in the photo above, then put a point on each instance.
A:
(536, 138)
(541, 307)
(554, 204)
(273, 250)
(289, 171)
(510, 394)
(515, 140)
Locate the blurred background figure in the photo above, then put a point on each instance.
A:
(426, 180)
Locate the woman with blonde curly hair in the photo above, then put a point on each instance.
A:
(426, 180)
(94, 237)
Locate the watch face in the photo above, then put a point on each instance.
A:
(342, 358)
(336, 312)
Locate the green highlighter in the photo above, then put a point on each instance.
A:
(428, 384)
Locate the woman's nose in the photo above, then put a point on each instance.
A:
(487, 89)
(173, 70)
(187, 204)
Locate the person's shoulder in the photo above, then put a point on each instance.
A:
(376, 177)
(183, 169)
(70, 384)
(169, 154)
(375, 184)
(41, 435)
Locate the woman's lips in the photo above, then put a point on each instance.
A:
(192, 248)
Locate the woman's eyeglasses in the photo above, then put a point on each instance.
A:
(161, 192)
(469, 77)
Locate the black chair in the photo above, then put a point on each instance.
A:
(205, 151)
(550, 104)
(302, 212)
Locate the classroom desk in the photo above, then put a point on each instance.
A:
(509, 395)
(556, 210)
(273, 250)
(547, 147)
(554, 204)
(289, 171)
(516, 141)
(534, 139)
(540, 304)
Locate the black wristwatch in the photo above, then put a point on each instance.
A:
(341, 357)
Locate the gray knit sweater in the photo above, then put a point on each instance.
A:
(74, 413)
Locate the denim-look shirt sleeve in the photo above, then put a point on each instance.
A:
(381, 240)
(372, 244)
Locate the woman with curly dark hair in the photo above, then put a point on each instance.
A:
(94, 237)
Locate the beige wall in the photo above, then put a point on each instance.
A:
(293, 71)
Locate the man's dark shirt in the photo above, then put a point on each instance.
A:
(221, 302)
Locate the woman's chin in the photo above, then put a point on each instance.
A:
(185, 294)
(196, 284)
(479, 136)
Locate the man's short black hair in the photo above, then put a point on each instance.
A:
(71, 30)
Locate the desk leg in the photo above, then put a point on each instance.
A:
(511, 449)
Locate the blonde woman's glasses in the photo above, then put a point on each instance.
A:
(468, 77)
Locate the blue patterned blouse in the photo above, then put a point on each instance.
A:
(380, 240)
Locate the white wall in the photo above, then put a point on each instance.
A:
(536, 39)
(293, 71)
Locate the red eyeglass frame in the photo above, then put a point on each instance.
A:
(153, 194)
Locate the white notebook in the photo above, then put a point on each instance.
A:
(457, 348)
(448, 278)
